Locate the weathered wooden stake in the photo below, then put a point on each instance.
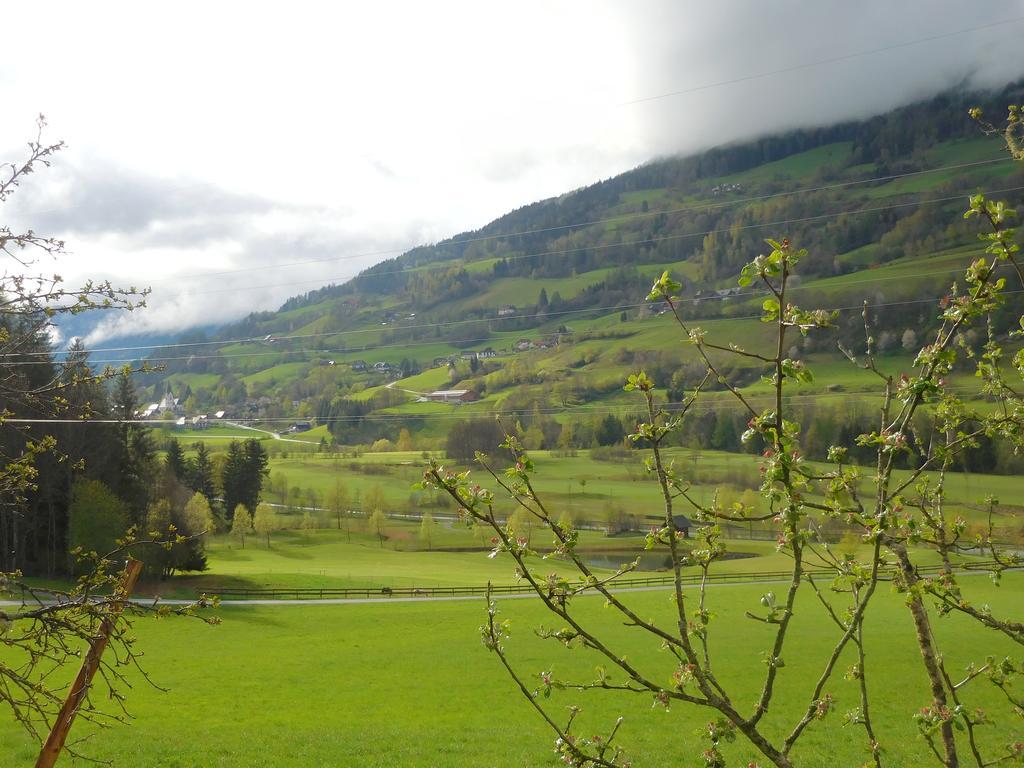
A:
(77, 693)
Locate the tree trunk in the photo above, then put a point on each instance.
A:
(929, 656)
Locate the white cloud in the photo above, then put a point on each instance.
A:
(208, 137)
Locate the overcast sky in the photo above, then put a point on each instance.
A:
(231, 155)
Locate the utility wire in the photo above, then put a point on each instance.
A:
(274, 338)
(593, 222)
(649, 241)
(371, 347)
(694, 89)
(805, 219)
(457, 342)
(820, 62)
(548, 253)
(476, 414)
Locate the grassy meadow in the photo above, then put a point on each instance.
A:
(380, 685)
(409, 683)
(590, 488)
(330, 559)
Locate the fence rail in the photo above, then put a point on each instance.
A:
(524, 588)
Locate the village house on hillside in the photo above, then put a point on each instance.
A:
(451, 396)
(727, 292)
(168, 404)
(722, 188)
(202, 421)
(483, 354)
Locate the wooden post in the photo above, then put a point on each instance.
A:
(80, 688)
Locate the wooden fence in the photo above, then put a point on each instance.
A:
(660, 580)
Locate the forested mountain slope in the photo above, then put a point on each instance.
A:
(875, 202)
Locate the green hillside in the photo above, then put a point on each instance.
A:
(553, 292)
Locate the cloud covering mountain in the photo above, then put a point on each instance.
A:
(231, 156)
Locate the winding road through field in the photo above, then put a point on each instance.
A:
(275, 435)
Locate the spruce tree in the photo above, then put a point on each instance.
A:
(175, 460)
(201, 473)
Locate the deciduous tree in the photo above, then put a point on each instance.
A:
(377, 523)
(427, 526)
(265, 521)
(337, 503)
(902, 517)
(241, 524)
(98, 518)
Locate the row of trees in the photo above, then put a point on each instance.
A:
(104, 457)
(266, 520)
(75, 473)
(721, 428)
(63, 446)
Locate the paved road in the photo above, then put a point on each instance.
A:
(275, 435)
(391, 385)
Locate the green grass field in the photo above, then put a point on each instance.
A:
(607, 484)
(326, 558)
(193, 380)
(380, 685)
(455, 555)
(215, 432)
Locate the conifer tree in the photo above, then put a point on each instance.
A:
(201, 473)
(175, 460)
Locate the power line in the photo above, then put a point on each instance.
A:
(706, 86)
(820, 62)
(320, 334)
(563, 252)
(457, 342)
(512, 413)
(655, 240)
(448, 323)
(401, 270)
(685, 209)
(593, 222)
(609, 309)
(274, 338)
(817, 217)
